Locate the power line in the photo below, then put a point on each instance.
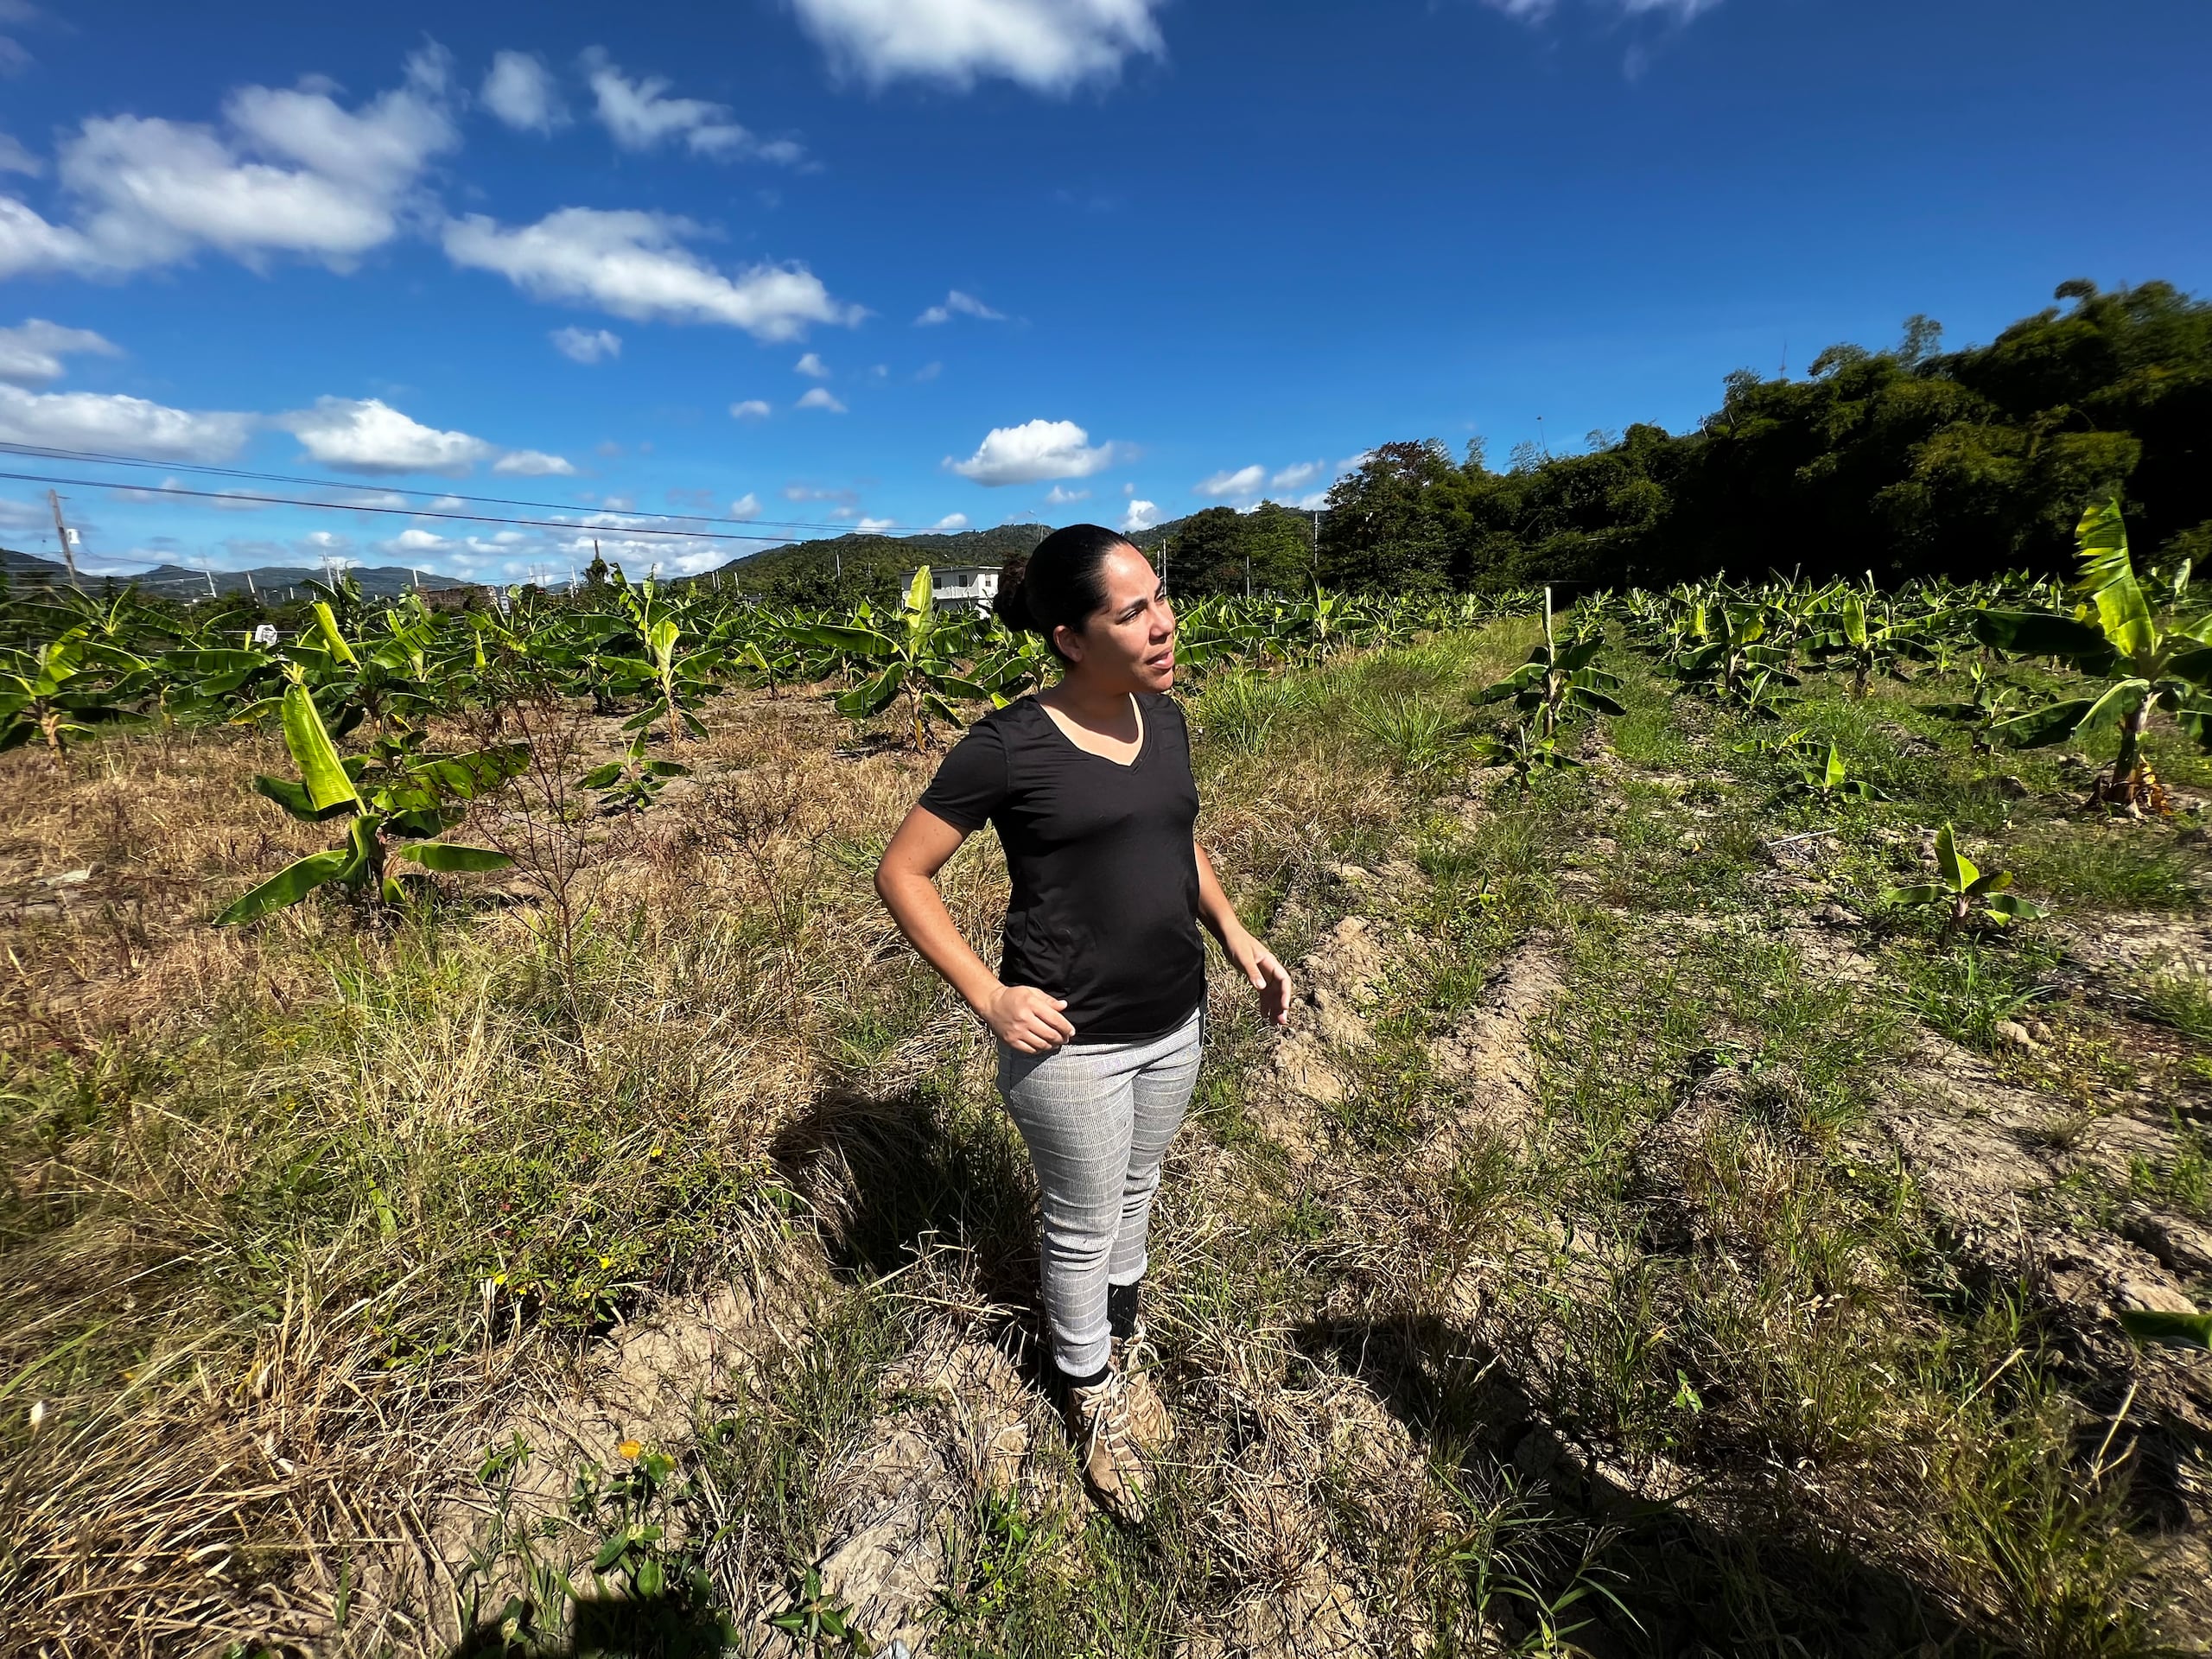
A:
(42, 452)
(423, 512)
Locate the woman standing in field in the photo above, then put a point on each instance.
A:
(1097, 1004)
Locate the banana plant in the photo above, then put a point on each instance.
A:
(390, 795)
(1834, 782)
(2150, 661)
(907, 660)
(1869, 645)
(632, 784)
(1961, 886)
(1721, 648)
(658, 627)
(1555, 681)
(1524, 749)
(57, 694)
(1986, 711)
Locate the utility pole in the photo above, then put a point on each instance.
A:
(61, 530)
(208, 571)
(252, 592)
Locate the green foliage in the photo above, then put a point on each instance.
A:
(2173, 1330)
(1832, 781)
(1963, 890)
(393, 794)
(632, 784)
(1912, 461)
(914, 657)
(2135, 637)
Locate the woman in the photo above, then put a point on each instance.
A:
(1096, 1002)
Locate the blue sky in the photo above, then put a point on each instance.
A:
(821, 264)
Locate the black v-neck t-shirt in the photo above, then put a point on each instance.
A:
(1105, 904)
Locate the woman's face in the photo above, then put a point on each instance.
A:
(1128, 644)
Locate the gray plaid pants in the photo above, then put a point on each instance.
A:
(1097, 1118)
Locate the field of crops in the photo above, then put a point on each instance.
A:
(484, 1175)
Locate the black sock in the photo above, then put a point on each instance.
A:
(1067, 1381)
(1122, 1308)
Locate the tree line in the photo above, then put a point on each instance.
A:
(1909, 462)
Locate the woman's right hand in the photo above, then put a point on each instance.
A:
(1027, 1020)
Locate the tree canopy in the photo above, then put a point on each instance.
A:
(1908, 463)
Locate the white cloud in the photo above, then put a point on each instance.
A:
(13, 158)
(1141, 515)
(1245, 480)
(30, 246)
(745, 506)
(634, 264)
(532, 463)
(587, 345)
(956, 303)
(822, 397)
(1681, 10)
(1298, 476)
(521, 91)
(120, 425)
(1312, 502)
(753, 409)
(1538, 11)
(31, 355)
(296, 174)
(366, 435)
(641, 116)
(415, 541)
(875, 527)
(811, 364)
(1049, 46)
(1033, 452)
(952, 521)
(1059, 496)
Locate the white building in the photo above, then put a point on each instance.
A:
(973, 585)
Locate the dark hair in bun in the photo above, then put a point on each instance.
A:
(1062, 582)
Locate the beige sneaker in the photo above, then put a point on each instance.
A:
(1106, 1447)
(1133, 1357)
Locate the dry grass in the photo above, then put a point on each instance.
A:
(302, 1222)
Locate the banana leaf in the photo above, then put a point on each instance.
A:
(324, 776)
(288, 886)
(872, 696)
(2176, 1330)
(449, 858)
(2044, 633)
(2039, 727)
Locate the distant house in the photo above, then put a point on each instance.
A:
(470, 597)
(975, 585)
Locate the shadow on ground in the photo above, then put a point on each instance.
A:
(892, 1177)
(1689, 1587)
(659, 1627)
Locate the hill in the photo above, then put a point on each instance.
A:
(273, 583)
(845, 568)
